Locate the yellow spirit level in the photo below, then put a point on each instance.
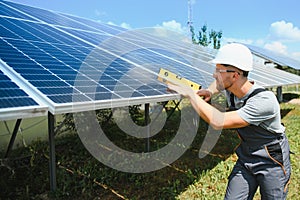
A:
(166, 76)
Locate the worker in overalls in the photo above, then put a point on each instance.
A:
(263, 154)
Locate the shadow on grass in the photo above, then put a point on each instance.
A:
(286, 98)
(289, 96)
(81, 176)
(285, 111)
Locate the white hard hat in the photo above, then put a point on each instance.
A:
(235, 54)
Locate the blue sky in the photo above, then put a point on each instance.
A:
(272, 24)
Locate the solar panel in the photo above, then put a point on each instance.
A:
(280, 59)
(268, 77)
(11, 95)
(15, 102)
(73, 64)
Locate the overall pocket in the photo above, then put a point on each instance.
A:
(274, 151)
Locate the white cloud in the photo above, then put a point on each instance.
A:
(99, 13)
(170, 25)
(174, 26)
(284, 31)
(244, 41)
(279, 47)
(124, 25)
(296, 55)
(276, 46)
(279, 39)
(259, 42)
(111, 23)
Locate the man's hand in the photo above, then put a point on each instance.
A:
(183, 90)
(205, 93)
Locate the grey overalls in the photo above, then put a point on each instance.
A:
(263, 160)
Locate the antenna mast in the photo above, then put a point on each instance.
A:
(189, 23)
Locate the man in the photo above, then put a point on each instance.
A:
(263, 155)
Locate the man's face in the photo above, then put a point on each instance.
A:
(224, 76)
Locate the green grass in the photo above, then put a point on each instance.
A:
(80, 176)
(292, 122)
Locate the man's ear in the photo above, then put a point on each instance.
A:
(235, 75)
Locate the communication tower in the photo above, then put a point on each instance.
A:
(189, 23)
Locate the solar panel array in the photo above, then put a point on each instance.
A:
(70, 64)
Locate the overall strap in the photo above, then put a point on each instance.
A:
(256, 91)
(232, 104)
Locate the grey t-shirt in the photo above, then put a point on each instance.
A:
(261, 110)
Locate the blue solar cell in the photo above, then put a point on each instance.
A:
(6, 11)
(3, 78)
(26, 67)
(41, 84)
(6, 49)
(50, 17)
(40, 77)
(91, 37)
(5, 33)
(102, 28)
(7, 84)
(11, 95)
(67, 20)
(62, 98)
(100, 96)
(17, 102)
(17, 59)
(57, 90)
(32, 31)
(19, 27)
(110, 85)
(68, 76)
(64, 72)
(150, 92)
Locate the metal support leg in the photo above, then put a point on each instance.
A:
(147, 121)
(52, 163)
(173, 110)
(13, 137)
(279, 94)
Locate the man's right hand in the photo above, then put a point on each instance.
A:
(205, 93)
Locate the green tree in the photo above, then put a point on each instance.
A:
(205, 39)
(216, 38)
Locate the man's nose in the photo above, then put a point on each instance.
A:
(215, 75)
